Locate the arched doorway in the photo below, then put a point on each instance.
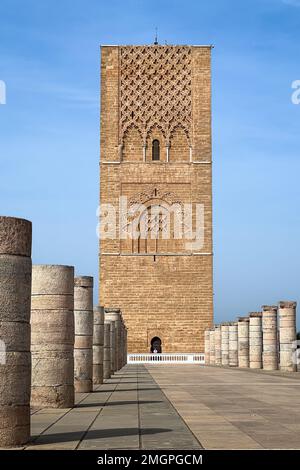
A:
(156, 345)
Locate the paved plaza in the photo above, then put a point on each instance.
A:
(233, 408)
(128, 412)
(177, 407)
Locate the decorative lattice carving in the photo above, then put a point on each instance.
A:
(155, 89)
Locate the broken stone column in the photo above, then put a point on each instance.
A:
(52, 336)
(287, 335)
(233, 344)
(98, 340)
(270, 346)
(225, 344)
(207, 346)
(218, 351)
(243, 341)
(106, 349)
(84, 324)
(212, 355)
(114, 314)
(15, 363)
(255, 340)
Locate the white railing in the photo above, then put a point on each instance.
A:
(171, 358)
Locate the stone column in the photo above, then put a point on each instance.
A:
(112, 347)
(269, 328)
(120, 345)
(83, 348)
(212, 355)
(287, 335)
(125, 345)
(207, 346)
(114, 314)
(106, 349)
(122, 339)
(233, 344)
(98, 341)
(120, 342)
(243, 341)
(255, 340)
(52, 336)
(218, 351)
(225, 344)
(15, 363)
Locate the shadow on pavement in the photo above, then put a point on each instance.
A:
(116, 403)
(96, 434)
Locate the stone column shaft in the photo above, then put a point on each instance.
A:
(114, 314)
(15, 360)
(126, 345)
(98, 342)
(270, 340)
(207, 346)
(83, 347)
(225, 344)
(112, 347)
(52, 336)
(243, 342)
(212, 354)
(106, 350)
(123, 360)
(287, 336)
(218, 350)
(233, 345)
(255, 340)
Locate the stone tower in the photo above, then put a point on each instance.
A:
(155, 171)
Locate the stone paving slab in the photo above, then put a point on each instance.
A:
(276, 373)
(129, 411)
(234, 409)
(176, 407)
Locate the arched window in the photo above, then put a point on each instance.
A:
(155, 150)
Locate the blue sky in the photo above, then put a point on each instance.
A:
(49, 130)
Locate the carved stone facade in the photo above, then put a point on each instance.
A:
(157, 96)
(155, 90)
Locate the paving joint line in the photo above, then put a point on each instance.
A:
(276, 373)
(97, 415)
(33, 440)
(250, 411)
(175, 410)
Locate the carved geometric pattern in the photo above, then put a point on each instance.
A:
(155, 89)
(154, 193)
